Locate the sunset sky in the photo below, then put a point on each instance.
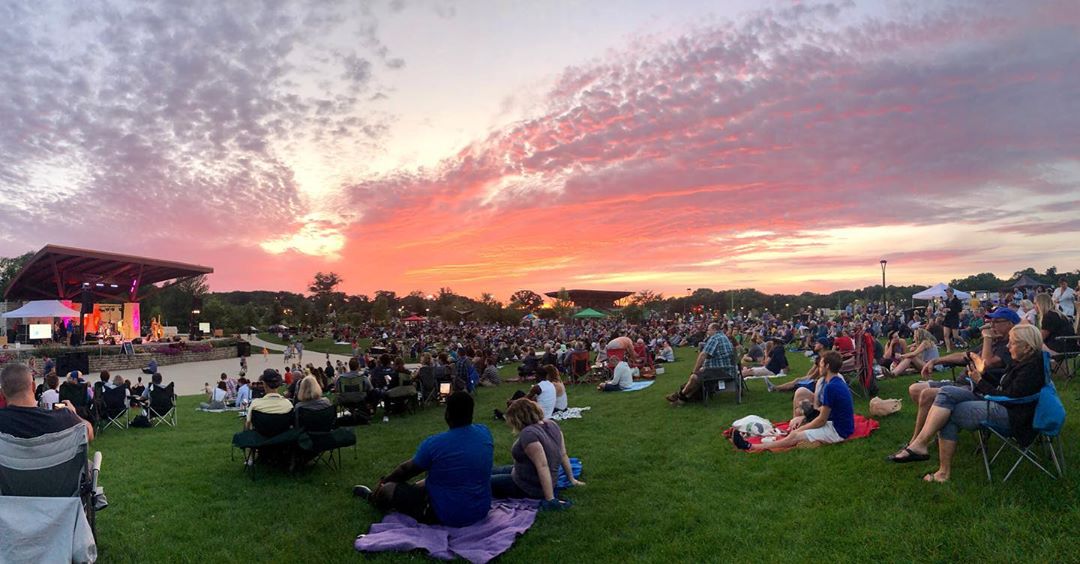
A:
(493, 146)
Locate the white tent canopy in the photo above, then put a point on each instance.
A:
(42, 308)
(938, 291)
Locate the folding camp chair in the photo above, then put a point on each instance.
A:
(320, 439)
(47, 483)
(579, 366)
(429, 386)
(76, 394)
(1049, 419)
(162, 407)
(112, 407)
(351, 396)
(272, 439)
(710, 379)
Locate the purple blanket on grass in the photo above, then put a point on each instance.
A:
(479, 542)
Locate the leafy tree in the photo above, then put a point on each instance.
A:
(526, 300)
(324, 283)
(380, 309)
(562, 307)
(10, 267)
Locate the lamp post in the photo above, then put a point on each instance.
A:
(884, 294)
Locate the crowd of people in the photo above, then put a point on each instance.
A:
(996, 347)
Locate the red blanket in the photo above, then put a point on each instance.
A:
(863, 428)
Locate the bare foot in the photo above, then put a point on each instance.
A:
(938, 477)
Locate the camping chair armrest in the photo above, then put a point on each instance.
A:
(1006, 400)
(95, 469)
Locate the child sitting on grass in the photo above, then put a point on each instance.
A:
(835, 421)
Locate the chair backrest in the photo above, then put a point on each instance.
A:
(426, 375)
(316, 420)
(579, 363)
(351, 390)
(161, 398)
(1049, 411)
(271, 424)
(115, 398)
(75, 393)
(50, 465)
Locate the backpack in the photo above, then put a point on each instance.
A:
(140, 421)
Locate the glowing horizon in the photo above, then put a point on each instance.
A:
(787, 148)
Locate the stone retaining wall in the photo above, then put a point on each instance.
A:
(140, 360)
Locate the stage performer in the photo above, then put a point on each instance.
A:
(156, 332)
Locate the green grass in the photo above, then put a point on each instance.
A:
(319, 345)
(663, 486)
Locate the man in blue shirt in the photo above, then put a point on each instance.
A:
(835, 421)
(457, 490)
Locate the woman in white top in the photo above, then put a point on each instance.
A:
(217, 398)
(545, 395)
(552, 375)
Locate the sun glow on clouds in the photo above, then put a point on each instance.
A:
(314, 237)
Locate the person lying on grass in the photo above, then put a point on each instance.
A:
(835, 420)
(457, 490)
(538, 452)
(957, 407)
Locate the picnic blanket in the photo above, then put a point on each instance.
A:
(569, 413)
(639, 385)
(863, 428)
(226, 410)
(479, 542)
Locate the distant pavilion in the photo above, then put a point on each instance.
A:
(596, 299)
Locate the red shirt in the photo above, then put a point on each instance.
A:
(844, 344)
(288, 378)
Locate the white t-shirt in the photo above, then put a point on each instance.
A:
(546, 399)
(1066, 300)
(49, 397)
(219, 395)
(624, 376)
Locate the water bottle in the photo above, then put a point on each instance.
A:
(385, 418)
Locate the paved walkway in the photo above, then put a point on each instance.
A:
(191, 377)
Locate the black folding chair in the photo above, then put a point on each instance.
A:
(76, 394)
(710, 379)
(113, 407)
(272, 439)
(319, 438)
(162, 407)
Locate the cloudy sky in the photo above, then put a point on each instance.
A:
(492, 146)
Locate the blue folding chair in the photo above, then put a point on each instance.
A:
(1049, 419)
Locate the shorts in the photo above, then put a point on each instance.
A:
(826, 434)
(935, 384)
(413, 501)
(806, 384)
(951, 323)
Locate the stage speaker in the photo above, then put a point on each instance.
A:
(87, 302)
(136, 341)
(67, 362)
(243, 348)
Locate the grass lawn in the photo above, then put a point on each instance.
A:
(320, 345)
(663, 486)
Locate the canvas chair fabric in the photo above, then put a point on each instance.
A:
(42, 518)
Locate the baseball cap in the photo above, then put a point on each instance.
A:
(1004, 313)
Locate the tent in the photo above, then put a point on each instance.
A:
(1026, 281)
(589, 313)
(938, 291)
(42, 308)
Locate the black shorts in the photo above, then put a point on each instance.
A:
(414, 501)
(951, 323)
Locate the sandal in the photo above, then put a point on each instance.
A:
(932, 477)
(912, 456)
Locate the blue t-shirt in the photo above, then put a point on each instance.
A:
(458, 464)
(837, 397)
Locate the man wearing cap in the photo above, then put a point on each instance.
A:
(272, 402)
(22, 418)
(994, 353)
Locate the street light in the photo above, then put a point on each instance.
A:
(884, 295)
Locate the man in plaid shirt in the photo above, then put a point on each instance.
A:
(716, 354)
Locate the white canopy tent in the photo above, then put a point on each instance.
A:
(42, 308)
(938, 291)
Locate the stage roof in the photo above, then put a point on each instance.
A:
(59, 273)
